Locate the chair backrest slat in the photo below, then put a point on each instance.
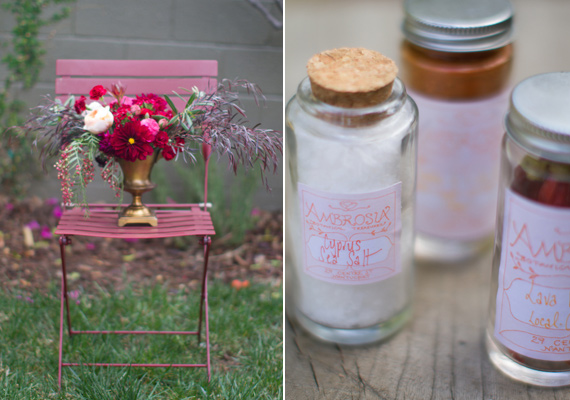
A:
(198, 68)
(82, 86)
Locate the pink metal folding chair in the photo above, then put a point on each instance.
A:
(139, 76)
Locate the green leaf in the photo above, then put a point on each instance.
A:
(171, 104)
(70, 101)
(191, 100)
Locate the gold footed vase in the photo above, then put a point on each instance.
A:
(136, 181)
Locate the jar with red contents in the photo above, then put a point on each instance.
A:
(528, 334)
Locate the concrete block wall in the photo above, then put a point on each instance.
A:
(234, 32)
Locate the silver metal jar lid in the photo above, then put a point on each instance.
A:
(539, 115)
(458, 25)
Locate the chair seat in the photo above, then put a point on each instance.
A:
(184, 220)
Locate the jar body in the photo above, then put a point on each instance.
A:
(529, 318)
(350, 183)
(462, 98)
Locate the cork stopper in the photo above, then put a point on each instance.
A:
(351, 77)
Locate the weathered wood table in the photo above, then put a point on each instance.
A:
(440, 354)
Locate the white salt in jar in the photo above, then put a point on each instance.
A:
(350, 183)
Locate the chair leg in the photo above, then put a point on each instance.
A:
(204, 303)
(207, 334)
(63, 241)
(206, 241)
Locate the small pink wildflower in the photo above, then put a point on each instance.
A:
(90, 246)
(46, 233)
(9, 206)
(33, 225)
(74, 295)
(255, 212)
(57, 212)
(131, 240)
(52, 201)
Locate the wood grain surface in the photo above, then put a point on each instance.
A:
(440, 354)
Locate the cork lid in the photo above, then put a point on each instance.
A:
(351, 77)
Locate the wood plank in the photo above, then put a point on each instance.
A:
(137, 67)
(439, 355)
(160, 86)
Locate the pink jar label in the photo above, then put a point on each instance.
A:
(458, 166)
(351, 239)
(533, 298)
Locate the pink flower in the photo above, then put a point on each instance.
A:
(136, 109)
(33, 225)
(131, 240)
(152, 126)
(57, 212)
(127, 101)
(46, 232)
(90, 246)
(52, 201)
(74, 295)
(9, 206)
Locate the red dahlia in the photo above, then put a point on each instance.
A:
(161, 139)
(131, 141)
(97, 92)
(80, 105)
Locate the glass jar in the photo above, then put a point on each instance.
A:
(528, 334)
(456, 61)
(350, 187)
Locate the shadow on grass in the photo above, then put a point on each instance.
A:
(245, 335)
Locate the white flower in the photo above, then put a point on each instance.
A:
(198, 92)
(92, 106)
(99, 119)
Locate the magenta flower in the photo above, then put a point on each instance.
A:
(57, 212)
(46, 233)
(33, 225)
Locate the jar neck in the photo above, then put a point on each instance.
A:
(457, 57)
(351, 117)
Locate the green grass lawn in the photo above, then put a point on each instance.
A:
(245, 335)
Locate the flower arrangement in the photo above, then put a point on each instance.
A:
(82, 133)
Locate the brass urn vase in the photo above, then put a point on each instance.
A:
(136, 181)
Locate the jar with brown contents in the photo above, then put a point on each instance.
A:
(456, 61)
